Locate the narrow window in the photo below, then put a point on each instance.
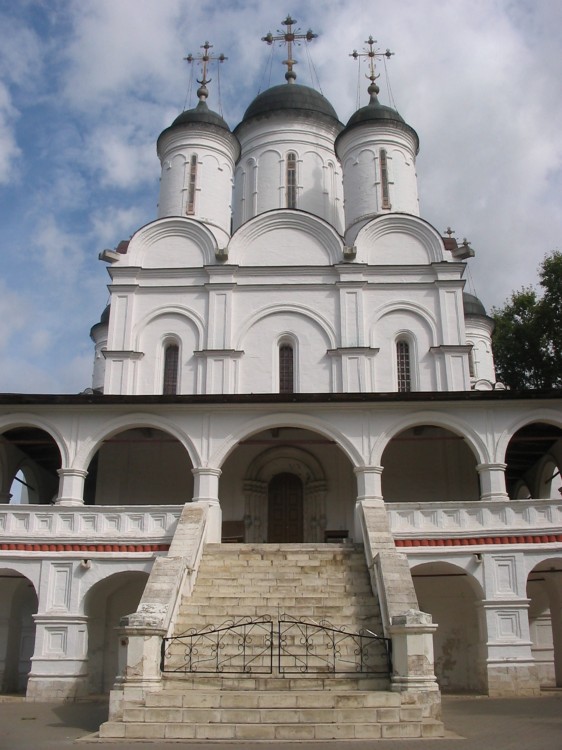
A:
(403, 366)
(190, 209)
(291, 191)
(171, 358)
(471, 363)
(286, 369)
(384, 179)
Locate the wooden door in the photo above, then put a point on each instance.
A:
(285, 509)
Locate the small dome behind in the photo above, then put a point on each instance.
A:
(472, 305)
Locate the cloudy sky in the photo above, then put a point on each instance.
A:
(86, 86)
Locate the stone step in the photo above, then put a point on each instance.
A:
(244, 682)
(178, 699)
(249, 731)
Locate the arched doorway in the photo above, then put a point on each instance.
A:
(106, 603)
(285, 509)
(325, 478)
(453, 598)
(18, 604)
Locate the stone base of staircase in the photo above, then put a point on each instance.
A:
(304, 709)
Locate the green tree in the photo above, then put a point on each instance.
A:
(527, 338)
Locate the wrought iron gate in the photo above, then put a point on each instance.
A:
(246, 646)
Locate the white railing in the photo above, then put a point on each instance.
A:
(94, 523)
(516, 517)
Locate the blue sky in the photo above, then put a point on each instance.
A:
(86, 86)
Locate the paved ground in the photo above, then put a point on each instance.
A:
(473, 723)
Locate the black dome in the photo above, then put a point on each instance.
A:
(200, 115)
(374, 113)
(472, 305)
(290, 97)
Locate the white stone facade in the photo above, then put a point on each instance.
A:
(381, 417)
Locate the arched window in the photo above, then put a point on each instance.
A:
(385, 194)
(191, 185)
(403, 368)
(291, 180)
(171, 360)
(286, 369)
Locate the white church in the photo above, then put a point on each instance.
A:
(294, 443)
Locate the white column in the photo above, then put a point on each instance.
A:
(492, 481)
(206, 490)
(71, 486)
(369, 492)
(554, 590)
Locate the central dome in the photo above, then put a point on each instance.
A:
(290, 97)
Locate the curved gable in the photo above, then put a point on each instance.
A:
(285, 237)
(399, 239)
(172, 242)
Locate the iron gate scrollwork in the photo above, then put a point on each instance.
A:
(245, 646)
(235, 647)
(320, 647)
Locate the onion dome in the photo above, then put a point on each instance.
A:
(375, 113)
(103, 322)
(291, 98)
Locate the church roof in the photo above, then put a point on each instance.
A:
(292, 98)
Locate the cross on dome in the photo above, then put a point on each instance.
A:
(204, 58)
(289, 37)
(372, 53)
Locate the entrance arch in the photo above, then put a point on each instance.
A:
(325, 473)
(285, 509)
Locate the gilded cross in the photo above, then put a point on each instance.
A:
(289, 37)
(372, 53)
(204, 58)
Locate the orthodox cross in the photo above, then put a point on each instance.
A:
(204, 58)
(288, 37)
(372, 53)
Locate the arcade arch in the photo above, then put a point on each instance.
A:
(544, 591)
(105, 604)
(453, 598)
(31, 460)
(429, 463)
(18, 603)
(534, 457)
(139, 466)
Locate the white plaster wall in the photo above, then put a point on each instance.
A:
(479, 334)
(359, 151)
(216, 152)
(259, 367)
(260, 176)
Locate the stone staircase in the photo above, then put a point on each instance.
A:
(278, 678)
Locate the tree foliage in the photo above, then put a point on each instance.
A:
(527, 338)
